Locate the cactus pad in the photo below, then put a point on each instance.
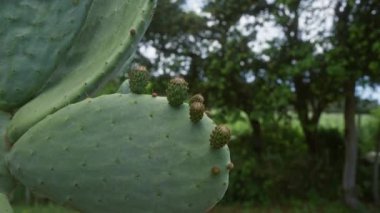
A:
(101, 49)
(6, 181)
(123, 152)
(124, 87)
(5, 207)
(34, 35)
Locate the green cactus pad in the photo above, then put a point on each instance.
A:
(102, 48)
(119, 153)
(177, 91)
(5, 207)
(34, 36)
(6, 181)
(124, 87)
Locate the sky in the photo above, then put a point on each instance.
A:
(269, 31)
(194, 5)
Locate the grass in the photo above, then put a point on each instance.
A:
(364, 123)
(336, 121)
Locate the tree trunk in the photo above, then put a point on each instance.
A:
(349, 172)
(311, 137)
(376, 175)
(257, 138)
(308, 114)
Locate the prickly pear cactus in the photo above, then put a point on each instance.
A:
(124, 87)
(106, 40)
(107, 163)
(34, 36)
(5, 207)
(116, 153)
(6, 180)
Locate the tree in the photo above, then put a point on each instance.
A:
(298, 65)
(356, 50)
(178, 37)
(207, 48)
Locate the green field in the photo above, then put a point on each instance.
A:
(336, 121)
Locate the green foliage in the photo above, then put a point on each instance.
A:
(376, 124)
(285, 171)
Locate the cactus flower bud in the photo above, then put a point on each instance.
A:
(138, 79)
(196, 98)
(220, 136)
(197, 110)
(177, 91)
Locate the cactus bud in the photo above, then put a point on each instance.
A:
(196, 98)
(138, 79)
(197, 110)
(177, 91)
(230, 166)
(132, 32)
(215, 170)
(220, 136)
